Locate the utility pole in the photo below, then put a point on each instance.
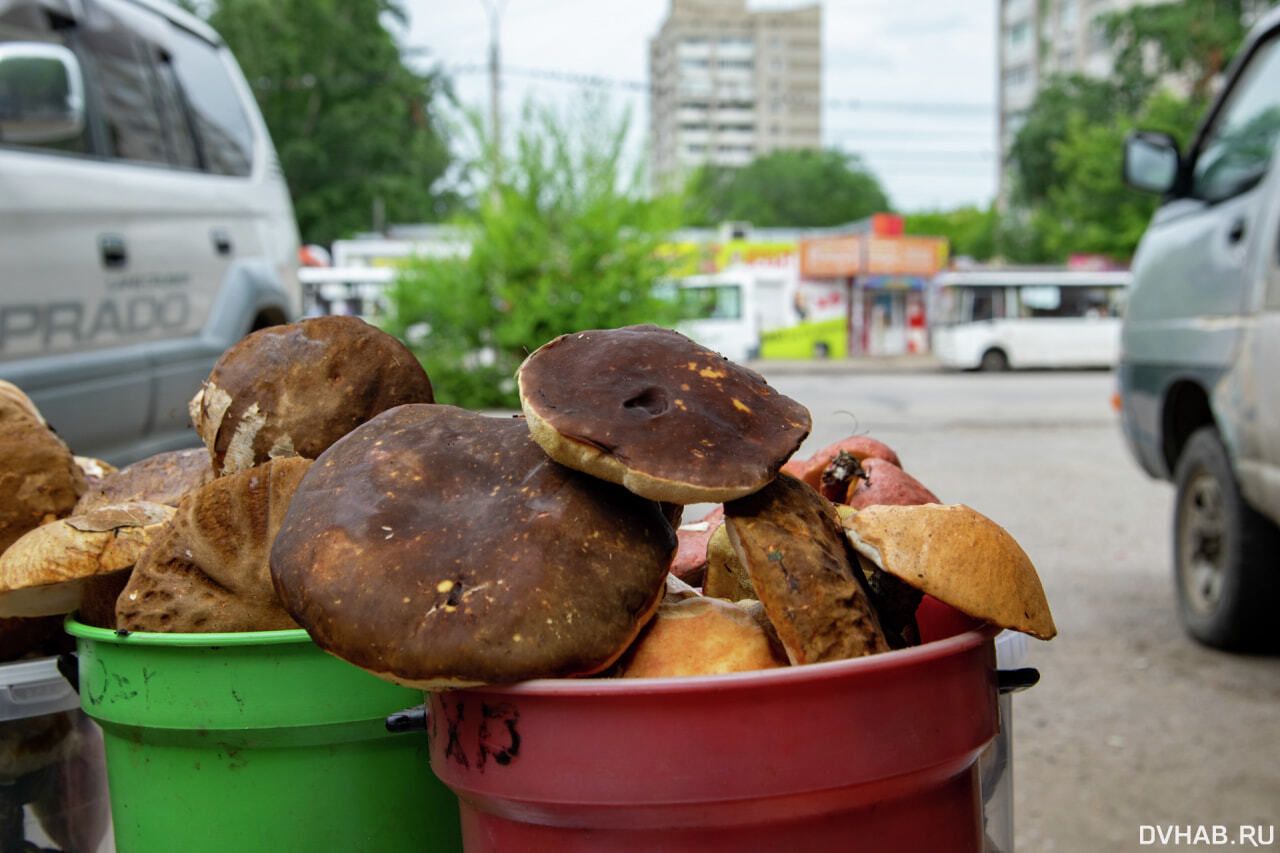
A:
(494, 8)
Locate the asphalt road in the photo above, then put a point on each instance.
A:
(1134, 730)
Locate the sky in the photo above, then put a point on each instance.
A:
(909, 85)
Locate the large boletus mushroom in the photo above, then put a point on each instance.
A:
(649, 409)
(46, 570)
(436, 548)
(39, 478)
(960, 557)
(207, 570)
(789, 539)
(293, 390)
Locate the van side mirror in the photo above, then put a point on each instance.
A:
(1151, 161)
(41, 93)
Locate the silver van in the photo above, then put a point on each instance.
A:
(1199, 368)
(145, 224)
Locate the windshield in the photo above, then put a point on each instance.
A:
(713, 302)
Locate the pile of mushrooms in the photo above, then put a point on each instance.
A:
(439, 548)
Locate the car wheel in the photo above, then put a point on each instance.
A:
(994, 360)
(1223, 551)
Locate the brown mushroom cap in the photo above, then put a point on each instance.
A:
(295, 389)
(163, 478)
(789, 538)
(44, 571)
(649, 409)
(207, 571)
(958, 556)
(436, 548)
(39, 478)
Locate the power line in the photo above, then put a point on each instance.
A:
(602, 82)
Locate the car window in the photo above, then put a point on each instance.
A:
(1236, 150)
(226, 139)
(179, 130)
(126, 92)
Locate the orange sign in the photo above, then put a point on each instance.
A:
(857, 254)
(831, 257)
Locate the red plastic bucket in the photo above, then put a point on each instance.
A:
(877, 753)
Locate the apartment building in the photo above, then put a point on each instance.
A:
(1040, 38)
(728, 84)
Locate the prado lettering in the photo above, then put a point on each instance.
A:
(38, 328)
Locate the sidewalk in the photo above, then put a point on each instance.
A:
(855, 364)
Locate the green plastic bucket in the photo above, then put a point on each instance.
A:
(256, 741)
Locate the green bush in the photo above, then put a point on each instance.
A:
(559, 243)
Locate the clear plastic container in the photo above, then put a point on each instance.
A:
(53, 782)
(996, 764)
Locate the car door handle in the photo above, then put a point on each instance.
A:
(1236, 232)
(221, 240)
(113, 251)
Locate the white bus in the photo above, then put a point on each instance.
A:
(1009, 317)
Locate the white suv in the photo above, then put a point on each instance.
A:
(145, 225)
(1199, 369)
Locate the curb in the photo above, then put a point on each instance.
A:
(856, 364)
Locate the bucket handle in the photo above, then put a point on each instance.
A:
(1016, 680)
(409, 720)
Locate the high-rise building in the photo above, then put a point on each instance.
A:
(1040, 38)
(728, 84)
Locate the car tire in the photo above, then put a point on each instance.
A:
(1224, 567)
(994, 360)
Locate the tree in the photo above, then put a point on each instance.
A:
(355, 128)
(563, 241)
(1062, 101)
(1193, 39)
(1083, 204)
(970, 232)
(1068, 194)
(1094, 211)
(800, 188)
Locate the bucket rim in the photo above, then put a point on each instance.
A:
(922, 654)
(285, 636)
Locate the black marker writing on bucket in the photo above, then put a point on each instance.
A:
(506, 716)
